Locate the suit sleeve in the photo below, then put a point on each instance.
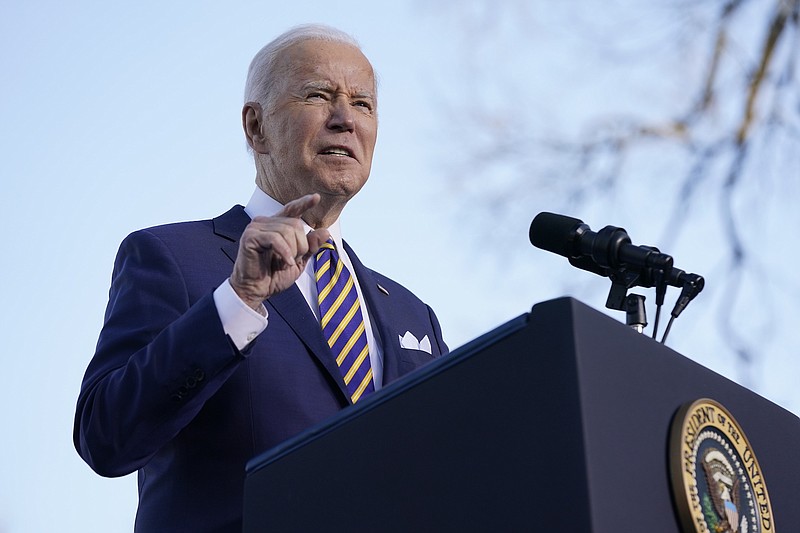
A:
(437, 332)
(158, 359)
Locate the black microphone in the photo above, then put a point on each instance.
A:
(692, 285)
(609, 253)
(608, 249)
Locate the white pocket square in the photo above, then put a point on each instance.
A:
(410, 342)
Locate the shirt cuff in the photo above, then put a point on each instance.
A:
(241, 323)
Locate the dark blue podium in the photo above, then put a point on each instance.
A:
(558, 420)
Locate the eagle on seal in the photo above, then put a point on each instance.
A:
(723, 487)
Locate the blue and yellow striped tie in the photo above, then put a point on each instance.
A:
(342, 321)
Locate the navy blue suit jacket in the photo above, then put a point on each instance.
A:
(168, 394)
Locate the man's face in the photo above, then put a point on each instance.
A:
(321, 128)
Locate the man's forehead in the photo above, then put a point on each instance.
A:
(327, 62)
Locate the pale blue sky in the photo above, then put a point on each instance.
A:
(121, 115)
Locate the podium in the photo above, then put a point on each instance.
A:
(557, 421)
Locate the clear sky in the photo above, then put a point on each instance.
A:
(120, 115)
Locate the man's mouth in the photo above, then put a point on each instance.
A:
(337, 151)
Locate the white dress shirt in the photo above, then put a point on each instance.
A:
(243, 324)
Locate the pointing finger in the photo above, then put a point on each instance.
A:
(296, 208)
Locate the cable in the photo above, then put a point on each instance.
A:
(669, 327)
(655, 323)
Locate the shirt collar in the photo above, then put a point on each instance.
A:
(263, 205)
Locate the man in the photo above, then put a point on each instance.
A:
(212, 349)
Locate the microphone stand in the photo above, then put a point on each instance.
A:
(622, 279)
(635, 313)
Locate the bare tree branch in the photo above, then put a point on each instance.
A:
(713, 134)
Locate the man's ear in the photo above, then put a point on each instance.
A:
(253, 124)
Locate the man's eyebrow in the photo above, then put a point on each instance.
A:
(327, 86)
(322, 85)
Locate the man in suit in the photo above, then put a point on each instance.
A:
(212, 349)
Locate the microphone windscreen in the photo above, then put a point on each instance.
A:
(551, 232)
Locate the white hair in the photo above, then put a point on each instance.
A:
(262, 77)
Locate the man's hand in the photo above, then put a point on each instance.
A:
(273, 252)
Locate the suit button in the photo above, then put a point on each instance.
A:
(199, 375)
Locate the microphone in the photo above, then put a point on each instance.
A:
(692, 286)
(610, 253)
(601, 252)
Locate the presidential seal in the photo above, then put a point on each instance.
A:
(716, 480)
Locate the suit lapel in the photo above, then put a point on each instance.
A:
(230, 226)
(379, 304)
(293, 308)
(290, 304)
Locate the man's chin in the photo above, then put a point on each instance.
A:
(342, 187)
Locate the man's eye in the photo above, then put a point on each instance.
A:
(363, 103)
(316, 96)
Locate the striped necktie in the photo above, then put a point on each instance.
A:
(342, 321)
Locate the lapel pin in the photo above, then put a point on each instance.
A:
(380, 288)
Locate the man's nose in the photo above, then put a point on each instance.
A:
(341, 118)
